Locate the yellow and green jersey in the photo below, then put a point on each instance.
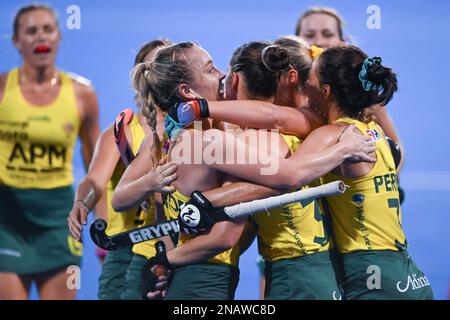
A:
(368, 215)
(37, 142)
(172, 206)
(137, 217)
(134, 218)
(293, 230)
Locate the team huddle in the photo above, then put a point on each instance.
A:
(320, 106)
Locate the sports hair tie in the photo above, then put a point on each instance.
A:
(263, 52)
(364, 77)
(315, 51)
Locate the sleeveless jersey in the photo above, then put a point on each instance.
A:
(134, 218)
(293, 230)
(368, 215)
(37, 142)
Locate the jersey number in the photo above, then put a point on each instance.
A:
(319, 218)
(394, 203)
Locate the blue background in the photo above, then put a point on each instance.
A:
(414, 39)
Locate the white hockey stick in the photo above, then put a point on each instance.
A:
(192, 218)
(252, 207)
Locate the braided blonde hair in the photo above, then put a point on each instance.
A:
(156, 86)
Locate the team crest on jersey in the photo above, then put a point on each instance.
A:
(374, 134)
(358, 198)
(68, 128)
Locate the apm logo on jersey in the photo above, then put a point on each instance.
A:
(374, 134)
(52, 155)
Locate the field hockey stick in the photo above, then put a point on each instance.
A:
(171, 227)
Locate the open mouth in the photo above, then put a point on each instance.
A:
(42, 49)
(221, 90)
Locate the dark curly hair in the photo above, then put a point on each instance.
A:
(339, 67)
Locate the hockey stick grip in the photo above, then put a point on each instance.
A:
(252, 207)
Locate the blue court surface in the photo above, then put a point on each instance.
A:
(414, 40)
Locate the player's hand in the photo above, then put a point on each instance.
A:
(358, 146)
(161, 286)
(155, 275)
(77, 218)
(160, 178)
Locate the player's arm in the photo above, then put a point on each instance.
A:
(92, 187)
(222, 236)
(140, 180)
(325, 137)
(246, 113)
(264, 115)
(235, 192)
(298, 170)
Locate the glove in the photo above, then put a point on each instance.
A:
(154, 267)
(183, 114)
(195, 215)
(397, 155)
(395, 150)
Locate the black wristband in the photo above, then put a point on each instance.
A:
(173, 112)
(204, 108)
(195, 215)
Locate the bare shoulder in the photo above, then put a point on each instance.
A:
(146, 144)
(86, 98)
(328, 134)
(3, 77)
(108, 133)
(321, 138)
(106, 149)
